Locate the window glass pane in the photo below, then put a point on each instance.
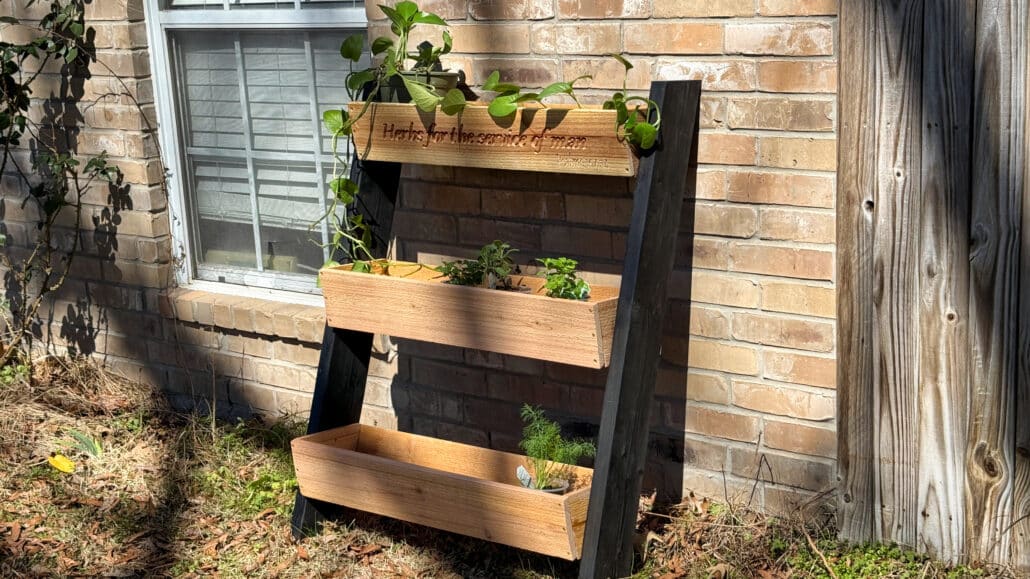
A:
(257, 155)
(235, 4)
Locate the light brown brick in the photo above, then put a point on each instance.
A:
(525, 72)
(581, 38)
(784, 261)
(794, 76)
(486, 38)
(511, 9)
(707, 253)
(446, 9)
(800, 438)
(249, 346)
(800, 369)
(781, 469)
(681, 383)
(722, 75)
(794, 153)
(715, 288)
(709, 355)
(610, 211)
(783, 332)
(725, 220)
(794, 225)
(713, 112)
(608, 73)
(783, 401)
(711, 184)
(780, 189)
(703, 9)
(523, 204)
(780, 39)
(706, 322)
(726, 149)
(798, 298)
(603, 9)
(304, 354)
(710, 422)
(778, 113)
(797, 7)
(673, 38)
(440, 197)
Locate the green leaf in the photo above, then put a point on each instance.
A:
(360, 266)
(529, 96)
(407, 10)
(492, 80)
(344, 189)
(381, 44)
(334, 120)
(71, 55)
(556, 88)
(351, 48)
(625, 63)
(398, 21)
(421, 96)
(644, 135)
(448, 43)
(453, 102)
(428, 18)
(358, 79)
(503, 105)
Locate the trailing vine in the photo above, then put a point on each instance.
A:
(37, 264)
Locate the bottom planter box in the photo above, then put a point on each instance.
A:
(446, 485)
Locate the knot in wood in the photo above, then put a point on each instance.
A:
(991, 467)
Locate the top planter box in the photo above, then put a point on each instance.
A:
(412, 301)
(556, 139)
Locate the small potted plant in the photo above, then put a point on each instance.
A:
(492, 269)
(562, 280)
(550, 455)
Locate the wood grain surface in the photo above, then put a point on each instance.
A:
(557, 139)
(446, 485)
(412, 301)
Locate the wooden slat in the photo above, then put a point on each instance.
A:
(379, 481)
(943, 402)
(994, 270)
(896, 267)
(415, 303)
(558, 139)
(1021, 485)
(666, 178)
(855, 210)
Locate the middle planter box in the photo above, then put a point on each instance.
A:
(408, 300)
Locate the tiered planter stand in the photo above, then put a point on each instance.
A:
(466, 489)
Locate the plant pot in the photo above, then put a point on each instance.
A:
(556, 139)
(394, 90)
(408, 300)
(558, 490)
(446, 485)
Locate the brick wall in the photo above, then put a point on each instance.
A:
(757, 379)
(751, 380)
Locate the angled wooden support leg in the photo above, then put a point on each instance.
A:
(343, 363)
(664, 179)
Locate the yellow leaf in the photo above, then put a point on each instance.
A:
(61, 462)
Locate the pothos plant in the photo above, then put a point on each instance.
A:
(351, 236)
(550, 455)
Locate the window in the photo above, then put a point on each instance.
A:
(241, 87)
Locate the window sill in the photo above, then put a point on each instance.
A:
(266, 316)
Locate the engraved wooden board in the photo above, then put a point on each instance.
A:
(556, 139)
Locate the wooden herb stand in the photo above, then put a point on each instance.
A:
(327, 458)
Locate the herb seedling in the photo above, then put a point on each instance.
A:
(492, 268)
(549, 453)
(639, 125)
(562, 280)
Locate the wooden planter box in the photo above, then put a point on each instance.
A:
(412, 301)
(559, 138)
(455, 487)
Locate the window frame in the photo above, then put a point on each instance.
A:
(161, 23)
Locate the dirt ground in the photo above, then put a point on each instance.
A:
(155, 492)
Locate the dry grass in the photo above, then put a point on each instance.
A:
(176, 494)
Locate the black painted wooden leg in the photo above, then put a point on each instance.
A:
(662, 181)
(339, 393)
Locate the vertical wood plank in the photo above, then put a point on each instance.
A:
(855, 209)
(664, 180)
(943, 395)
(896, 266)
(998, 171)
(1021, 494)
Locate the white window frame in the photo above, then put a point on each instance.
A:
(294, 288)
